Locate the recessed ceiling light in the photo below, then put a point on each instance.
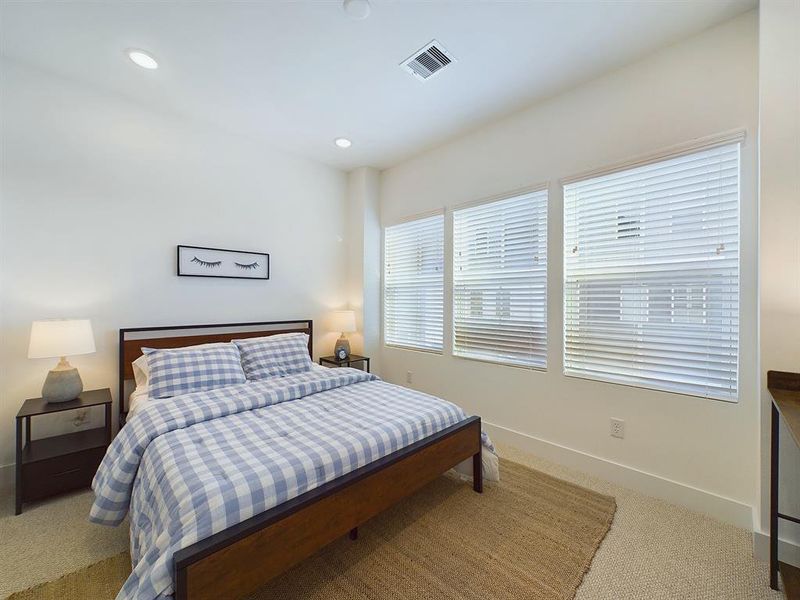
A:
(343, 142)
(142, 58)
(356, 9)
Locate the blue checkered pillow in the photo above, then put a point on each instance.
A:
(274, 355)
(180, 371)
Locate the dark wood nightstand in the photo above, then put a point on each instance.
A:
(52, 465)
(347, 362)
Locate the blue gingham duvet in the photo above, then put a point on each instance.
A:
(190, 466)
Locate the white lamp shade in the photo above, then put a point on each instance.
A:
(50, 339)
(344, 321)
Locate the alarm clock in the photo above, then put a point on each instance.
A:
(341, 353)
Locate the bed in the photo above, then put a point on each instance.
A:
(227, 488)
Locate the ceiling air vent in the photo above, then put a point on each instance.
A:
(427, 61)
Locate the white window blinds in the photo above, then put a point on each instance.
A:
(500, 280)
(413, 284)
(651, 266)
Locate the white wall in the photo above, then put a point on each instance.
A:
(706, 450)
(779, 97)
(97, 192)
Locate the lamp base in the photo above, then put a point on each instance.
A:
(62, 385)
(342, 344)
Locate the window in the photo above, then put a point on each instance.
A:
(500, 281)
(413, 284)
(651, 268)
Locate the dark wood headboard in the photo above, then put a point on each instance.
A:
(133, 339)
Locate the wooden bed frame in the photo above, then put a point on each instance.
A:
(133, 339)
(240, 559)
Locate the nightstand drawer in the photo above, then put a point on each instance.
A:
(60, 474)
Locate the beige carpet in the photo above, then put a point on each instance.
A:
(99, 581)
(659, 551)
(531, 536)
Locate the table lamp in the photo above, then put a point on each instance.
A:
(344, 321)
(61, 338)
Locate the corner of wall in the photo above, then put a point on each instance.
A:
(779, 242)
(364, 257)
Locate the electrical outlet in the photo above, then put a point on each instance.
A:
(409, 377)
(617, 428)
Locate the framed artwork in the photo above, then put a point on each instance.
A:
(198, 261)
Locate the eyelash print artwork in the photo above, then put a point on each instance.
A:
(199, 261)
(205, 263)
(251, 266)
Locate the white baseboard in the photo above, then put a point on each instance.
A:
(721, 508)
(788, 551)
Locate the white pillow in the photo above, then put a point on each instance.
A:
(141, 371)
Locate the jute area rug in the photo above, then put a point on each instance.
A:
(531, 536)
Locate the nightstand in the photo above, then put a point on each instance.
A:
(347, 362)
(49, 466)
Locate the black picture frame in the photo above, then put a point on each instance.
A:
(182, 271)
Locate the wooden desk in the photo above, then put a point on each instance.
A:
(785, 390)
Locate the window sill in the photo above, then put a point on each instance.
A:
(501, 363)
(609, 380)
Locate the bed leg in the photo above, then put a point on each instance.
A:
(354, 533)
(477, 473)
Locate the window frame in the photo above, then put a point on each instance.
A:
(415, 217)
(530, 189)
(676, 151)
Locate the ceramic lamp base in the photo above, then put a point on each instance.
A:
(342, 344)
(62, 385)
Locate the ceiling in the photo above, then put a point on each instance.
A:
(296, 75)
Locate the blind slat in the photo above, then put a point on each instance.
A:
(651, 275)
(413, 284)
(500, 280)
